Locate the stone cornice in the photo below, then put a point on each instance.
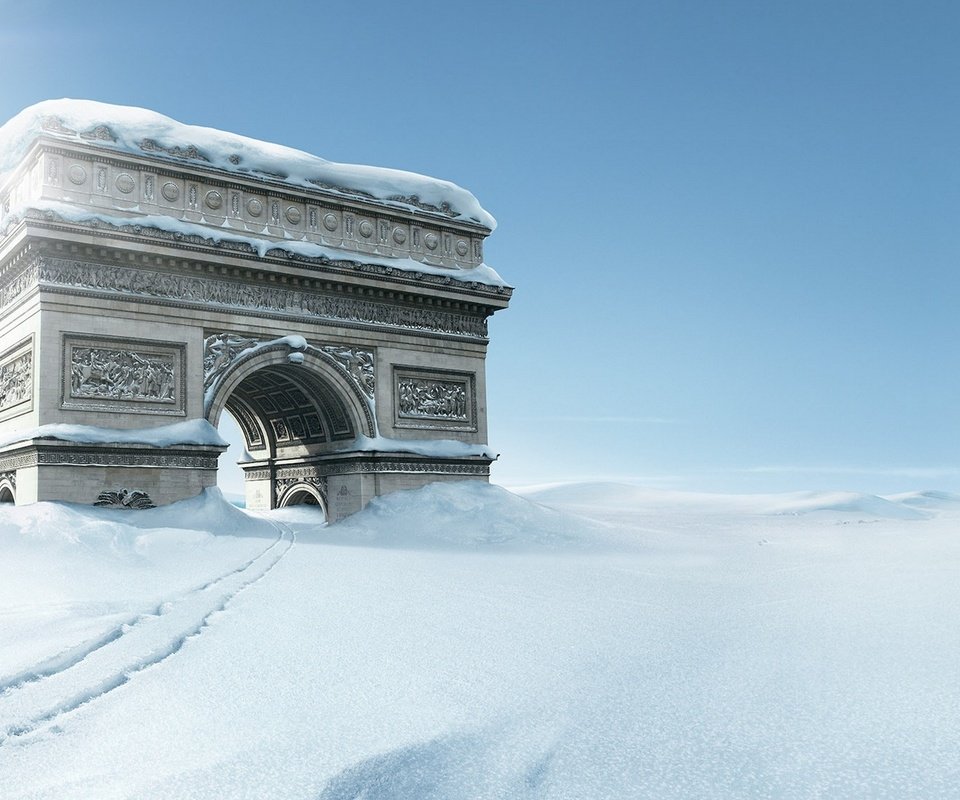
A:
(36, 452)
(277, 260)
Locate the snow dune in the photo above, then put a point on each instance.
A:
(627, 497)
(469, 516)
(459, 641)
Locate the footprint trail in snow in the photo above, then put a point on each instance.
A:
(65, 682)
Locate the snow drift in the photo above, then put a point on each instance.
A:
(470, 515)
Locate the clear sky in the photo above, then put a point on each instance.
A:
(732, 226)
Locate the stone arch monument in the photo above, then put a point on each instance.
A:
(153, 275)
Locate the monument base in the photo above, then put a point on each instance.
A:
(45, 469)
(344, 484)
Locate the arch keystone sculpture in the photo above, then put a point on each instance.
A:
(154, 274)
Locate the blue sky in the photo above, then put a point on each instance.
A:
(733, 227)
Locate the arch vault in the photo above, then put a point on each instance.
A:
(147, 284)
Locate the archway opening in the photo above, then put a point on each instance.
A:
(230, 479)
(6, 494)
(301, 498)
(287, 421)
(283, 408)
(304, 495)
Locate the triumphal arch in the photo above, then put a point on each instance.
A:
(154, 275)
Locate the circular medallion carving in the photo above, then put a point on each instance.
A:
(77, 174)
(462, 248)
(213, 199)
(399, 235)
(125, 183)
(254, 207)
(330, 222)
(293, 215)
(366, 229)
(170, 191)
(431, 240)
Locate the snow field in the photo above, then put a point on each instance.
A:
(462, 642)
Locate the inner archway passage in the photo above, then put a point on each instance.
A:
(281, 406)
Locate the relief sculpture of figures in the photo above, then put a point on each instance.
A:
(16, 381)
(121, 375)
(437, 399)
(239, 295)
(219, 353)
(359, 363)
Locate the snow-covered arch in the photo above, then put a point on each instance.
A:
(287, 393)
(302, 494)
(8, 490)
(305, 412)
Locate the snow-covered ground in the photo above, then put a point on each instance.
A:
(460, 641)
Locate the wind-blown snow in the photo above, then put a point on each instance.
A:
(131, 126)
(188, 432)
(460, 642)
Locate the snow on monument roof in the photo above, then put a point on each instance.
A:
(138, 130)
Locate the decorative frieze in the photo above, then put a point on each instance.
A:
(18, 284)
(116, 178)
(110, 374)
(199, 292)
(323, 469)
(106, 456)
(425, 466)
(256, 474)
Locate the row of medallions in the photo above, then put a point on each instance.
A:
(333, 225)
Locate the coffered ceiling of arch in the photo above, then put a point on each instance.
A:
(292, 406)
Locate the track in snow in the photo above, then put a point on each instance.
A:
(67, 681)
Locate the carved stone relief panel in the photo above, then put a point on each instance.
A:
(431, 399)
(292, 477)
(16, 380)
(117, 374)
(222, 350)
(189, 291)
